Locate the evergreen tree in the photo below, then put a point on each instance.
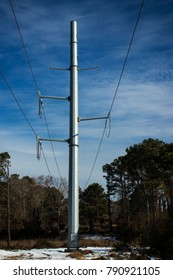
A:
(142, 183)
(93, 206)
(53, 210)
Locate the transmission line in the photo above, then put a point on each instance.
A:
(52, 146)
(15, 98)
(127, 55)
(35, 82)
(23, 113)
(23, 44)
(116, 90)
(46, 161)
(98, 150)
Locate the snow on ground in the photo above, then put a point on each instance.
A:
(85, 253)
(34, 254)
(52, 254)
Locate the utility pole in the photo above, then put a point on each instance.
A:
(73, 195)
(73, 191)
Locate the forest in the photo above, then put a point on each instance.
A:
(136, 206)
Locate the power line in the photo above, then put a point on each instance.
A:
(98, 150)
(15, 98)
(46, 161)
(127, 55)
(36, 85)
(24, 115)
(52, 145)
(116, 90)
(23, 44)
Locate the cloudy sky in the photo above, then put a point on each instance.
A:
(144, 101)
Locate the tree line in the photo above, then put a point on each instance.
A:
(37, 207)
(136, 205)
(142, 183)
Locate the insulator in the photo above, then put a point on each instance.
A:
(38, 147)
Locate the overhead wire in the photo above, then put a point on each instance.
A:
(115, 94)
(57, 166)
(98, 150)
(23, 44)
(15, 98)
(24, 115)
(126, 57)
(36, 86)
(46, 161)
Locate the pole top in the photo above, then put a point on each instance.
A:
(73, 32)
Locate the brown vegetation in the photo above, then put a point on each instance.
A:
(53, 243)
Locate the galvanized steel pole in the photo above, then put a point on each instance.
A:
(73, 195)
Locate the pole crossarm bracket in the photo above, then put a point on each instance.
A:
(41, 97)
(92, 119)
(79, 69)
(53, 140)
(88, 68)
(55, 97)
(39, 143)
(59, 68)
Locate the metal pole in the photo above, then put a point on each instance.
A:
(73, 195)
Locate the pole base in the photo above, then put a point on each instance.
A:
(72, 250)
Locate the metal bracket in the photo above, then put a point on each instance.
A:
(59, 68)
(92, 119)
(53, 140)
(86, 68)
(40, 100)
(54, 97)
(39, 143)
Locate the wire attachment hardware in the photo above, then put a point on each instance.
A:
(39, 143)
(40, 104)
(38, 147)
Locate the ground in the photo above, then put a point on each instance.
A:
(95, 251)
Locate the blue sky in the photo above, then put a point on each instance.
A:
(144, 102)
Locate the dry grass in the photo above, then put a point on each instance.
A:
(96, 243)
(80, 255)
(53, 243)
(100, 258)
(19, 257)
(33, 243)
(115, 256)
